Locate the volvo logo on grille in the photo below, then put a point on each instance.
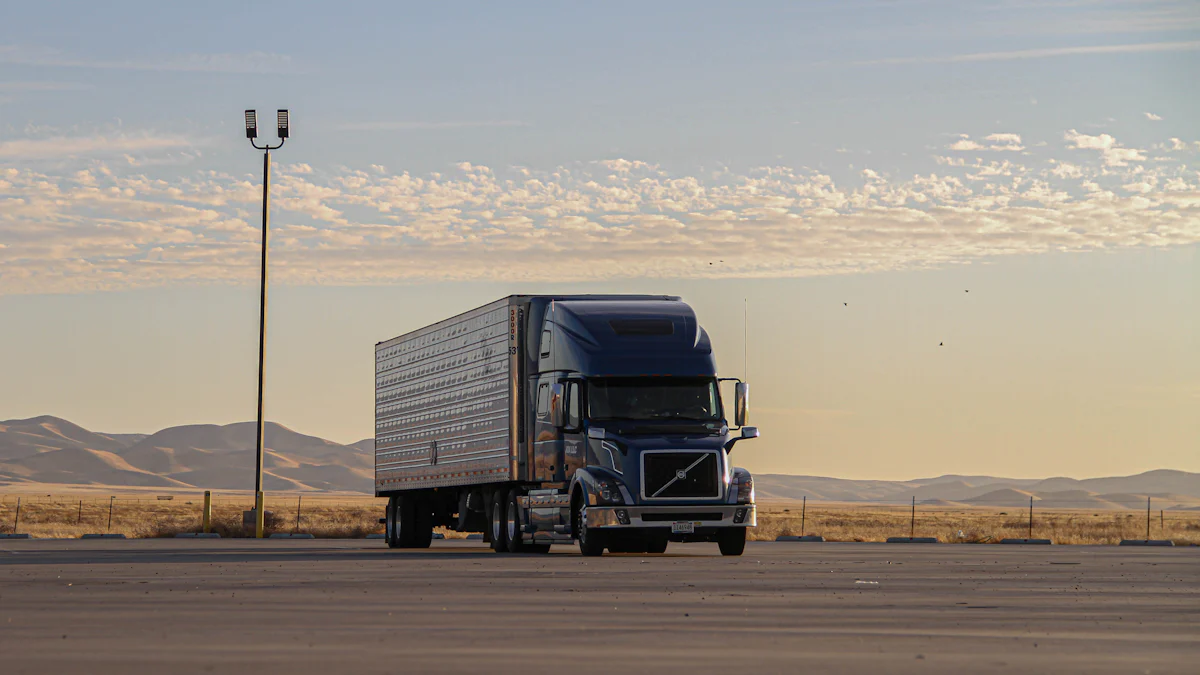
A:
(681, 474)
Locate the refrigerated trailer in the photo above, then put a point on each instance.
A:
(542, 420)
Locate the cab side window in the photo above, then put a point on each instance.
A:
(573, 405)
(545, 349)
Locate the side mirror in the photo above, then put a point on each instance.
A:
(556, 405)
(741, 404)
(747, 432)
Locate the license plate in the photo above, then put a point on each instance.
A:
(683, 528)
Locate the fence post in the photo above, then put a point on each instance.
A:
(1147, 517)
(1161, 524)
(17, 520)
(110, 510)
(1031, 516)
(79, 515)
(298, 498)
(207, 511)
(803, 509)
(912, 526)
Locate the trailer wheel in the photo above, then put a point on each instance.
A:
(401, 525)
(732, 540)
(591, 542)
(496, 522)
(512, 523)
(421, 528)
(389, 529)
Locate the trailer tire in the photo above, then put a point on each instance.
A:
(496, 522)
(389, 528)
(732, 541)
(421, 530)
(591, 542)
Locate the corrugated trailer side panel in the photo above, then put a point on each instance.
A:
(445, 402)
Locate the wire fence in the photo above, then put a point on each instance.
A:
(1062, 521)
(57, 516)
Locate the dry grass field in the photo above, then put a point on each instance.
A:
(142, 515)
(971, 525)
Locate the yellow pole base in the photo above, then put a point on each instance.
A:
(258, 515)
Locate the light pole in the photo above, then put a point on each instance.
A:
(252, 133)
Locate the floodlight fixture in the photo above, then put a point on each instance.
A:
(251, 124)
(282, 118)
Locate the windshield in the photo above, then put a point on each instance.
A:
(658, 398)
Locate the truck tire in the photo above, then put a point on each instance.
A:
(591, 542)
(732, 541)
(496, 526)
(657, 543)
(390, 529)
(421, 530)
(403, 522)
(512, 523)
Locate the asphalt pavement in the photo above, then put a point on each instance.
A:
(321, 606)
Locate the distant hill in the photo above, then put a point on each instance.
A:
(52, 450)
(49, 450)
(1167, 489)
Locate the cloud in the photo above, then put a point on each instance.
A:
(434, 126)
(1152, 117)
(82, 146)
(1114, 154)
(1045, 53)
(115, 227)
(245, 63)
(999, 142)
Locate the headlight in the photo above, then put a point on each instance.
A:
(745, 487)
(608, 491)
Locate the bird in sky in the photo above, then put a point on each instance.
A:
(967, 291)
(941, 343)
(846, 304)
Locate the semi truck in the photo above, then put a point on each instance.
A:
(540, 420)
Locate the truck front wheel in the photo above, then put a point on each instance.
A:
(591, 542)
(657, 543)
(732, 541)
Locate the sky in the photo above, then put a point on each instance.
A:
(960, 237)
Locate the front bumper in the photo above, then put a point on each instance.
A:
(702, 517)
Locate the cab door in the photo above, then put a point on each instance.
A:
(574, 440)
(547, 436)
